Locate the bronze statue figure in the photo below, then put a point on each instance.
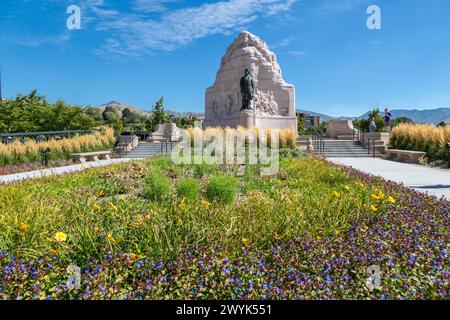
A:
(247, 89)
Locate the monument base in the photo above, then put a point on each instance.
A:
(248, 119)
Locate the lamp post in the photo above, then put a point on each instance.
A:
(447, 148)
(45, 153)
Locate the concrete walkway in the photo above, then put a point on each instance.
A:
(58, 171)
(429, 180)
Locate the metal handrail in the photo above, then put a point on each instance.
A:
(165, 145)
(368, 140)
(318, 141)
(368, 146)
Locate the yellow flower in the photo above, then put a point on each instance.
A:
(111, 238)
(375, 197)
(53, 251)
(100, 194)
(390, 199)
(95, 207)
(97, 229)
(319, 238)
(373, 208)
(336, 194)
(132, 257)
(60, 236)
(122, 198)
(205, 204)
(347, 188)
(337, 233)
(277, 236)
(245, 241)
(23, 227)
(138, 222)
(183, 201)
(115, 208)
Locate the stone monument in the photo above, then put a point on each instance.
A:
(249, 89)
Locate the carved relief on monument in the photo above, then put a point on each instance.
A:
(264, 103)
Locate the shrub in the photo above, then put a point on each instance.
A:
(421, 137)
(157, 187)
(222, 189)
(189, 189)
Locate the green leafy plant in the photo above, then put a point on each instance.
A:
(157, 187)
(189, 189)
(222, 188)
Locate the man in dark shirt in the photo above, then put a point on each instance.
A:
(387, 119)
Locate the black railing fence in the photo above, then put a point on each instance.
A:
(318, 142)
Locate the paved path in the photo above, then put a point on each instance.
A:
(430, 180)
(58, 171)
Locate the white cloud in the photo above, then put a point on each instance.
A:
(297, 54)
(147, 26)
(151, 5)
(137, 35)
(283, 43)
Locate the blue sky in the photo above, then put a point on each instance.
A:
(136, 51)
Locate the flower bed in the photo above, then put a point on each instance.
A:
(287, 253)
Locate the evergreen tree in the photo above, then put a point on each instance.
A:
(159, 116)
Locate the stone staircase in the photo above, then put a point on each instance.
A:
(345, 149)
(148, 150)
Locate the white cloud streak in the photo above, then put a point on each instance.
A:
(151, 5)
(136, 34)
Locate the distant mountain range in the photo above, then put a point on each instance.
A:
(118, 106)
(433, 116)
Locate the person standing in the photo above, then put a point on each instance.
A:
(372, 125)
(387, 119)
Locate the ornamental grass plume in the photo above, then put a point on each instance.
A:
(287, 137)
(18, 152)
(421, 137)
